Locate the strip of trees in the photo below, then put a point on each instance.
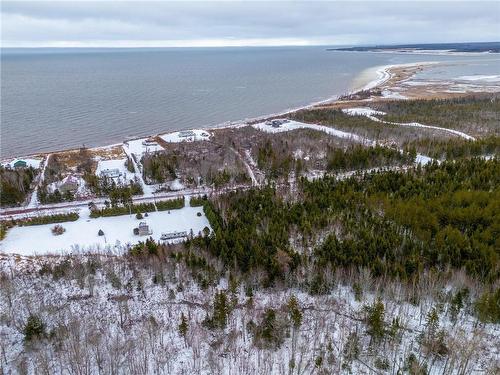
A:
(15, 185)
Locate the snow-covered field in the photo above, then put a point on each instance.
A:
(35, 163)
(197, 135)
(140, 147)
(81, 235)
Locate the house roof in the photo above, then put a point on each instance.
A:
(72, 180)
(19, 162)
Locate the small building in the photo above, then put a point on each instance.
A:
(111, 173)
(276, 123)
(149, 142)
(144, 229)
(20, 164)
(187, 134)
(173, 235)
(69, 184)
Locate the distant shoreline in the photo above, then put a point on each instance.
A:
(428, 48)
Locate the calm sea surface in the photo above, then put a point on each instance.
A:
(56, 99)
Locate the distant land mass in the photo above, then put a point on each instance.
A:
(493, 47)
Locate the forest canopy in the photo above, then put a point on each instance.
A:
(394, 223)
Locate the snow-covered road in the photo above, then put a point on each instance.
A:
(371, 114)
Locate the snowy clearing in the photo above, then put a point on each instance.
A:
(140, 147)
(81, 235)
(293, 125)
(423, 160)
(186, 136)
(118, 164)
(362, 111)
(176, 185)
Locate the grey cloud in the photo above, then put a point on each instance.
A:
(368, 22)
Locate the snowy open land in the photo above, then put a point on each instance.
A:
(81, 235)
(140, 147)
(186, 136)
(30, 162)
(118, 164)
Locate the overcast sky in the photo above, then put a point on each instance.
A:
(162, 23)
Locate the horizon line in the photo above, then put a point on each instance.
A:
(236, 45)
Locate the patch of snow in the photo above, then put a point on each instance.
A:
(488, 157)
(176, 185)
(478, 77)
(392, 95)
(251, 161)
(423, 160)
(362, 111)
(298, 154)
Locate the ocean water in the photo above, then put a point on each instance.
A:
(54, 99)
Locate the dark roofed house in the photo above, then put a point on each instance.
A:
(20, 164)
(144, 229)
(69, 184)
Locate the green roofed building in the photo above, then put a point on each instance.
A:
(20, 164)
